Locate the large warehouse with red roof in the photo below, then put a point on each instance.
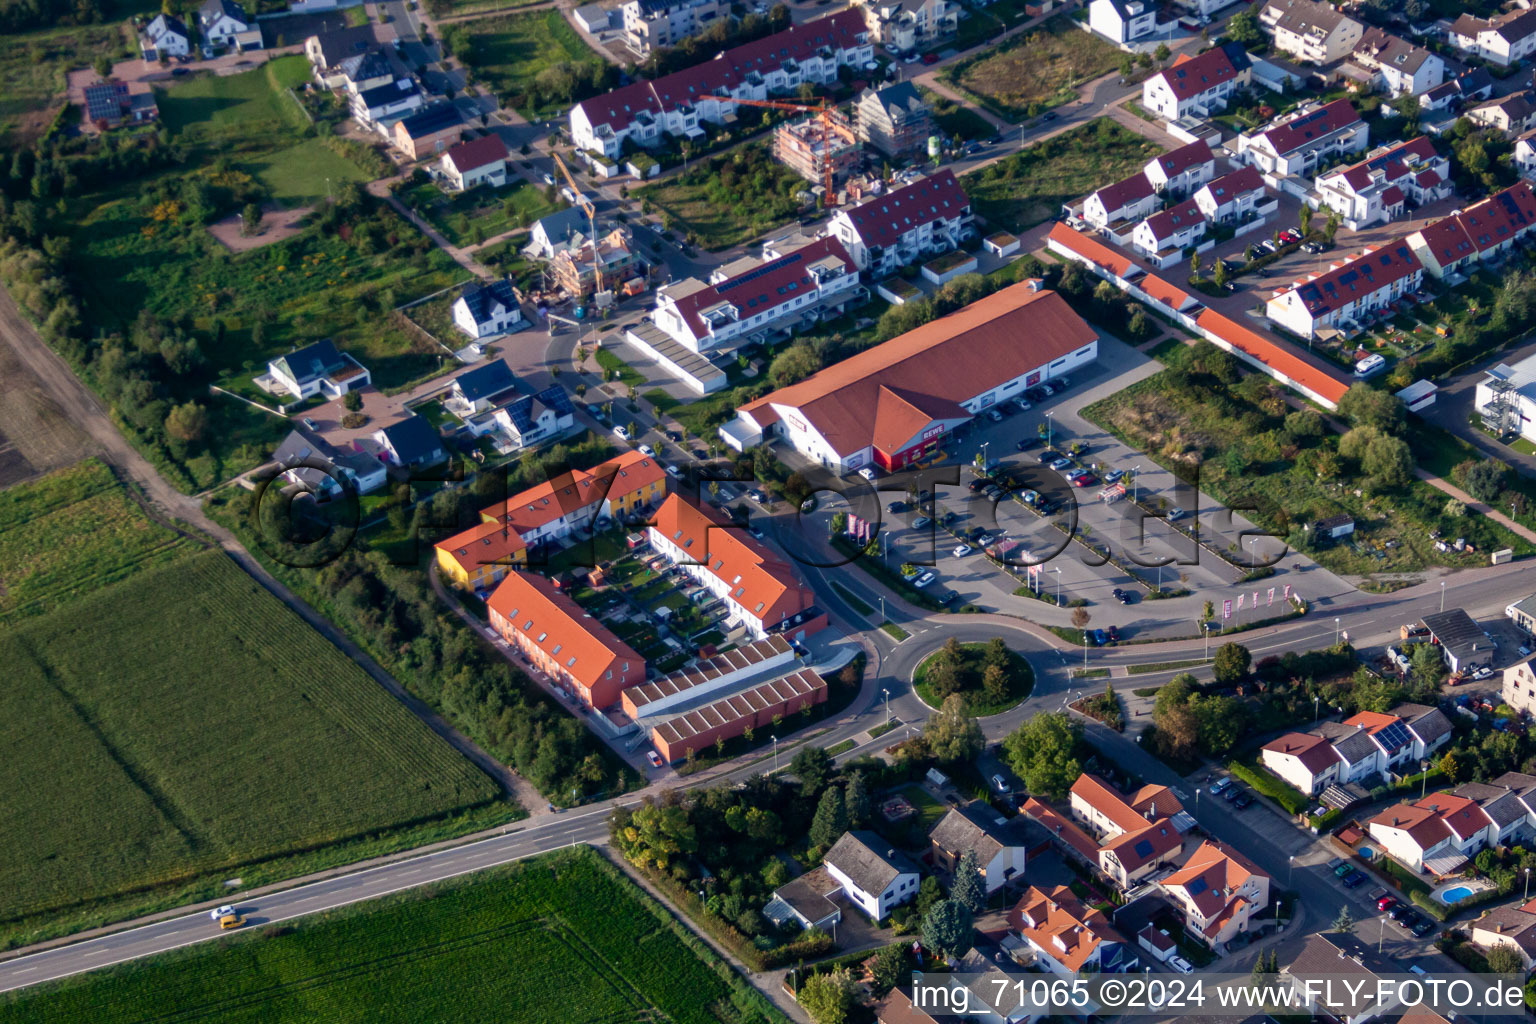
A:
(892, 405)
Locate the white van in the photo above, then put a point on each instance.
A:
(1369, 365)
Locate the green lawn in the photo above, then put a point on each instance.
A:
(1031, 186)
(32, 67)
(255, 100)
(1020, 677)
(1035, 70)
(109, 538)
(149, 752)
(304, 174)
(509, 51)
(471, 217)
(727, 199)
(564, 937)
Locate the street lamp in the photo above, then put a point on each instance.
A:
(882, 609)
(887, 695)
(1335, 631)
(1424, 787)
(775, 754)
(1058, 586)
(1527, 883)
(1442, 595)
(984, 445)
(1290, 870)
(1048, 425)
(1315, 699)
(1197, 801)
(1135, 482)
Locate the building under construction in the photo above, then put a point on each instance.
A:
(813, 146)
(575, 270)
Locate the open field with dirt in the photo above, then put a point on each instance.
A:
(35, 435)
(1035, 70)
(563, 937)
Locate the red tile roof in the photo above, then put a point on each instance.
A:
(1462, 815)
(1137, 849)
(1108, 801)
(1501, 217)
(571, 638)
(1363, 275)
(930, 368)
(1311, 127)
(768, 286)
(483, 544)
(1165, 224)
(761, 582)
(1191, 76)
(1422, 824)
(1164, 292)
(1392, 165)
(574, 490)
(1176, 161)
(1091, 249)
(1209, 878)
(841, 31)
(1230, 186)
(1122, 193)
(1274, 355)
(467, 156)
(1315, 753)
(1059, 923)
(1061, 828)
(884, 219)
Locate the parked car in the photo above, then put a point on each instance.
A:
(1061, 463)
(621, 432)
(1026, 443)
(1400, 912)
(896, 506)
(1179, 964)
(1243, 800)
(1022, 405)
(1386, 903)
(1422, 927)
(979, 483)
(1000, 784)
(654, 758)
(1290, 235)
(1355, 879)
(867, 473)
(930, 58)
(1221, 784)
(1231, 793)
(923, 580)
(961, 550)
(1073, 474)
(1113, 476)
(1061, 383)
(1122, 596)
(1114, 634)
(1175, 514)
(1343, 869)
(994, 416)
(646, 450)
(1100, 638)
(920, 522)
(1086, 480)
(1049, 456)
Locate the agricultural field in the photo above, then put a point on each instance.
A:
(1199, 418)
(564, 937)
(1034, 71)
(509, 52)
(1029, 187)
(32, 67)
(470, 218)
(153, 745)
(109, 538)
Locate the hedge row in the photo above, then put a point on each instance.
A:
(1285, 795)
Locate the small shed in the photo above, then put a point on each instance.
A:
(1001, 244)
(1335, 526)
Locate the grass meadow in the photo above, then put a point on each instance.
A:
(563, 937)
(1035, 70)
(510, 51)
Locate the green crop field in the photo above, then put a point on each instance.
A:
(182, 726)
(108, 538)
(564, 937)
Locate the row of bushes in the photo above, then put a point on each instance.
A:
(1287, 796)
(810, 945)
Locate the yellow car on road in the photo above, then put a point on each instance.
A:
(229, 921)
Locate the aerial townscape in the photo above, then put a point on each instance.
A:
(682, 511)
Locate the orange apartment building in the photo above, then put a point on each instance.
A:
(563, 641)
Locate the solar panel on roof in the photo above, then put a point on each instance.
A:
(1143, 848)
(1196, 886)
(1393, 736)
(753, 275)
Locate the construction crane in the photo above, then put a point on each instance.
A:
(591, 212)
(823, 111)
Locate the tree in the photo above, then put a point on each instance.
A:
(856, 800)
(1450, 767)
(352, 401)
(1081, 618)
(1483, 480)
(1207, 612)
(831, 819)
(888, 969)
(1126, 66)
(656, 832)
(1427, 666)
(1505, 960)
(947, 928)
(1365, 406)
(1243, 27)
(967, 888)
(1304, 219)
(994, 684)
(186, 422)
(1161, 53)
(952, 734)
(1218, 274)
(103, 66)
(1042, 752)
(1303, 424)
(1388, 461)
(1231, 664)
(1194, 263)
(813, 767)
(929, 895)
(1344, 922)
(828, 997)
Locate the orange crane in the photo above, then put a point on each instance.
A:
(823, 111)
(591, 212)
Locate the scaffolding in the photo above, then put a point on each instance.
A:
(1502, 413)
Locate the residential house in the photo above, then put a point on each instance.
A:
(411, 443)
(895, 403)
(1463, 644)
(317, 369)
(366, 72)
(654, 24)
(1310, 31)
(884, 234)
(112, 103)
(1363, 746)
(482, 161)
(761, 589)
(578, 500)
(1435, 835)
(1306, 140)
(1126, 21)
(480, 557)
(481, 389)
(557, 232)
(1219, 893)
(772, 298)
(1132, 856)
(576, 270)
(1511, 114)
(568, 645)
(1117, 209)
(1396, 66)
(1523, 614)
(897, 1008)
(1197, 86)
(487, 309)
(894, 120)
(818, 148)
(1068, 837)
(1477, 234)
(1519, 689)
(1503, 40)
(1138, 832)
(224, 23)
(428, 131)
(973, 829)
(1163, 237)
(905, 26)
(1304, 761)
(810, 53)
(1067, 937)
(1389, 181)
(873, 875)
(1525, 155)
(1509, 927)
(528, 421)
(1340, 296)
(1235, 198)
(383, 105)
(324, 470)
(1468, 87)
(1348, 973)
(335, 53)
(163, 38)
(812, 900)
(1181, 171)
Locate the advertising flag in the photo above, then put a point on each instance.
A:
(1271, 595)
(1226, 609)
